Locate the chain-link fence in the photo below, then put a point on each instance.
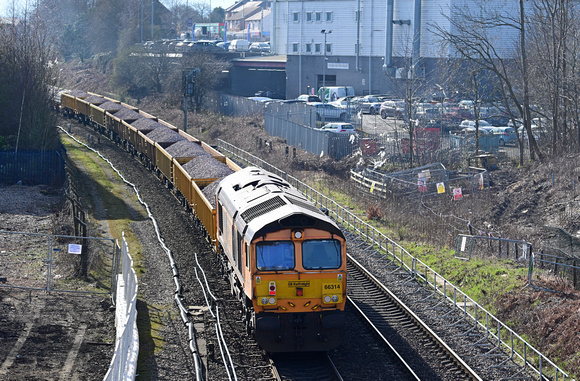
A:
(58, 262)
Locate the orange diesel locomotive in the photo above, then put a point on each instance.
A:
(286, 262)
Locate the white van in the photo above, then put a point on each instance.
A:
(239, 46)
(332, 93)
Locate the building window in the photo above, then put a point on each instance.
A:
(296, 17)
(317, 48)
(308, 48)
(295, 47)
(328, 16)
(309, 16)
(328, 48)
(318, 16)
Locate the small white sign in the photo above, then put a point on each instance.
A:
(338, 65)
(463, 243)
(74, 248)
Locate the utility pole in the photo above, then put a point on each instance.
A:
(188, 91)
(141, 21)
(325, 32)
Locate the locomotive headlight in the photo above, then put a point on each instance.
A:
(326, 298)
(297, 234)
(335, 298)
(264, 300)
(272, 300)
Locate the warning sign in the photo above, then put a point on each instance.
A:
(440, 187)
(422, 185)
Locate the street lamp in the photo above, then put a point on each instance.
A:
(325, 32)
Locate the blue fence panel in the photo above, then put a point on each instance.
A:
(32, 167)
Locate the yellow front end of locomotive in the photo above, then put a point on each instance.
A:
(286, 293)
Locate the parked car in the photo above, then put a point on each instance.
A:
(261, 99)
(370, 104)
(340, 128)
(308, 98)
(333, 93)
(347, 103)
(469, 125)
(260, 47)
(326, 111)
(269, 94)
(206, 46)
(468, 104)
(239, 46)
(506, 135)
(223, 45)
(392, 108)
(540, 134)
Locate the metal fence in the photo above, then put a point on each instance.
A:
(493, 329)
(468, 246)
(55, 262)
(561, 266)
(429, 180)
(32, 167)
(232, 105)
(311, 139)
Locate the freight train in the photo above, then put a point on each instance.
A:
(284, 258)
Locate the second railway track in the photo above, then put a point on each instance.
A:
(427, 355)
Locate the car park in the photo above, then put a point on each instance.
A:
(340, 128)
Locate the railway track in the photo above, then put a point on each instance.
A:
(305, 366)
(398, 326)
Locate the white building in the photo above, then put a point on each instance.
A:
(369, 43)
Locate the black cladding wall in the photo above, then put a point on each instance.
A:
(247, 80)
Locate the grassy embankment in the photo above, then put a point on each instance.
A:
(102, 188)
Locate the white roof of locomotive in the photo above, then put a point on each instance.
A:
(261, 201)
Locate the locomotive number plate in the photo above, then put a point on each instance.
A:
(332, 286)
(298, 283)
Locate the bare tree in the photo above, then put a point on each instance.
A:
(473, 32)
(27, 77)
(554, 40)
(211, 72)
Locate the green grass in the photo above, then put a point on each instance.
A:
(112, 193)
(483, 280)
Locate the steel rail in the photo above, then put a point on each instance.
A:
(385, 340)
(424, 327)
